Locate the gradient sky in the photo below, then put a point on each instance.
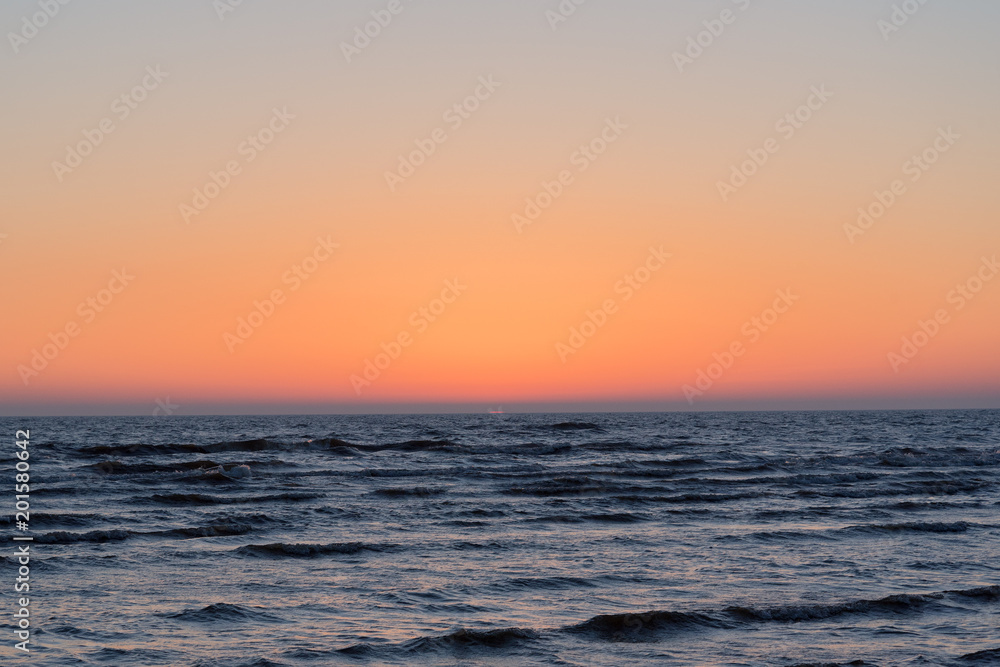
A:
(679, 133)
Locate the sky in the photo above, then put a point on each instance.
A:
(405, 205)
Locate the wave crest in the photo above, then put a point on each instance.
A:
(286, 550)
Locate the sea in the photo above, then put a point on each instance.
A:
(730, 538)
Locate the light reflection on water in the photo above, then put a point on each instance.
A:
(756, 538)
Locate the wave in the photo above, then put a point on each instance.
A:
(462, 639)
(894, 604)
(467, 524)
(929, 505)
(987, 657)
(617, 626)
(538, 449)
(499, 638)
(547, 583)
(905, 457)
(255, 445)
(575, 426)
(119, 468)
(221, 612)
(694, 497)
(48, 519)
(769, 535)
(105, 636)
(863, 529)
(618, 446)
(852, 663)
(204, 470)
(285, 550)
(734, 616)
(413, 471)
(205, 499)
(610, 517)
(915, 527)
(910, 488)
(991, 593)
(228, 473)
(682, 462)
(419, 491)
(652, 625)
(481, 512)
(41, 564)
(98, 536)
(191, 499)
(334, 446)
(225, 528)
(805, 479)
(884, 459)
(562, 486)
(413, 446)
(239, 662)
(616, 517)
(139, 656)
(216, 530)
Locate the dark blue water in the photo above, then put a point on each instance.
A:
(861, 538)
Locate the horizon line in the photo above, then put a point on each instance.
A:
(441, 409)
